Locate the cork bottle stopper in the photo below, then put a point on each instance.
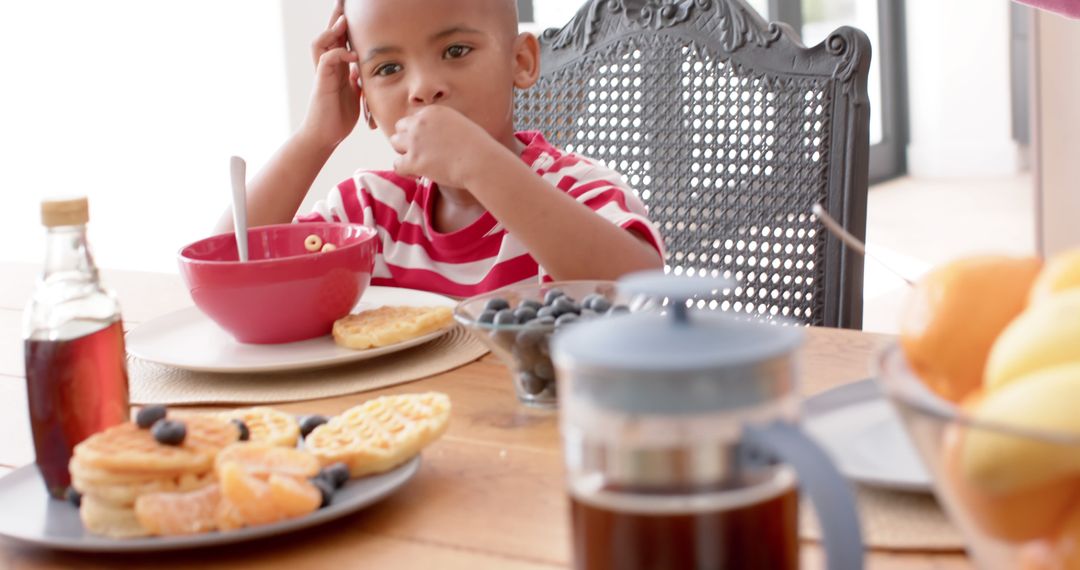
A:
(73, 212)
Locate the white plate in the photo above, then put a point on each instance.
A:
(860, 430)
(188, 339)
(30, 516)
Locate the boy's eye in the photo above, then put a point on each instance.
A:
(387, 69)
(456, 51)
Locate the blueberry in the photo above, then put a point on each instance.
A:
(587, 302)
(497, 304)
(551, 295)
(169, 432)
(487, 317)
(600, 305)
(564, 305)
(245, 433)
(618, 310)
(503, 338)
(325, 487)
(547, 312)
(565, 319)
(551, 390)
(530, 304)
(505, 317)
(148, 416)
(530, 337)
(544, 370)
(309, 423)
(524, 314)
(73, 496)
(545, 321)
(524, 355)
(530, 384)
(336, 473)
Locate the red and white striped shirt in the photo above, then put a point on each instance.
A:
(484, 255)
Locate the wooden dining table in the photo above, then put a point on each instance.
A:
(488, 495)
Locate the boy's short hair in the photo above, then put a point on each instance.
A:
(507, 9)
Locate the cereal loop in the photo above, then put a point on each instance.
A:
(313, 243)
(328, 247)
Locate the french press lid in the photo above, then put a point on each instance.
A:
(678, 360)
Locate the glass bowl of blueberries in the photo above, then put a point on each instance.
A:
(516, 322)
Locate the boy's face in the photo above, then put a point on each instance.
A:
(465, 54)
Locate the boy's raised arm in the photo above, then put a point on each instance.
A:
(567, 238)
(275, 193)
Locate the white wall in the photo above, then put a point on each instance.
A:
(138, 105)
(958, 77)
(1057, 131)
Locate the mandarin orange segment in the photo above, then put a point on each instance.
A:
(227, 516)
(295, 497)
(249, 495)
(169, 514)
(263, 459)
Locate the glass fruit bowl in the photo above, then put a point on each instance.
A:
(1013, 491)
(516, 322)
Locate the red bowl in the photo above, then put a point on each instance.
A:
(284, 293)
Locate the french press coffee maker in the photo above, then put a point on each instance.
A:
(681, 443)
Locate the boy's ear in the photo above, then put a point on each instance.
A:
(526, 61)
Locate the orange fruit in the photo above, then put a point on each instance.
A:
(168, 514)
(1058, 553)
(1015, 517)
(263, 459)
(955, 313)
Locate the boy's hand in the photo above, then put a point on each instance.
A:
(440, 143)
(335, 101)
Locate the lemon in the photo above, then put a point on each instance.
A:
(1061, 273)
(999, 462)
(1046, 335)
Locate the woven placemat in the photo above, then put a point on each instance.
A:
(894, 520)
(152, 383)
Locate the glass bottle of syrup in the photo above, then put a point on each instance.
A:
(76, 375)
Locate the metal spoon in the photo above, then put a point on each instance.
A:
(853, 242)
(239, 196)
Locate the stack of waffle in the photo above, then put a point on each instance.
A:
(115, 467)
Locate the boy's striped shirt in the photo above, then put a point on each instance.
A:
(482, 256)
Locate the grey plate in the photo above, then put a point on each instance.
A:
(862, 433)
(29, 516)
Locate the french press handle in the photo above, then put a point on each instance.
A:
(828, 490)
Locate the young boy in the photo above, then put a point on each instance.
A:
(470, 205)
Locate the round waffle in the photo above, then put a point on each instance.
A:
(267, 425)
(381, 433)
(389, 325)
(125, 448)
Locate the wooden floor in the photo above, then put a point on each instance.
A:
(914, 224)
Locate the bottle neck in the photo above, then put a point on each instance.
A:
(68, 255)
